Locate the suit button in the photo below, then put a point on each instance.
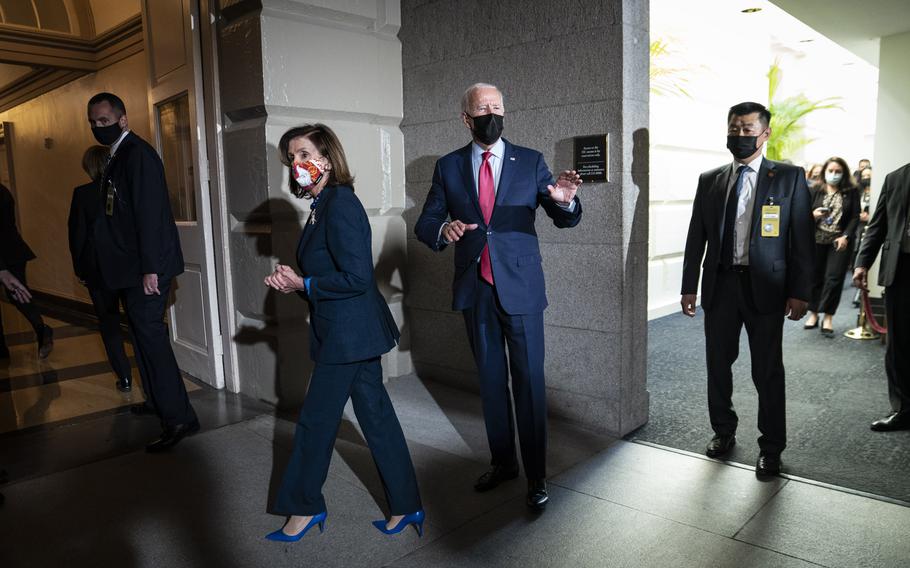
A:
(489, 233)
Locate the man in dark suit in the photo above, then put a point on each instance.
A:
(889, 231)
(138, 252)
(754, 215)
(14, 254)
(484, 200)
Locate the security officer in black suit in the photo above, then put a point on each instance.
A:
(889, 231)
(138, 253)
(84, 211)
(14, 254)
(754, 215)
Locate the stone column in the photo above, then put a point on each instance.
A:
(567, 68)
(285, 63)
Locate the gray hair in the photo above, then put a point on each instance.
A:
(466, 97)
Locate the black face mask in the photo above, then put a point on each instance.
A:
(487, 128)
(864, 182)
(742, 146)
(107, 135)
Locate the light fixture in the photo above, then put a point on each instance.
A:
(810, 40)
(750, 10)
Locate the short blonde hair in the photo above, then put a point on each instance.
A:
(94, 160)
(466, 97)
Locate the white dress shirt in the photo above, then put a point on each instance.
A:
(744, 208)
(116, 144)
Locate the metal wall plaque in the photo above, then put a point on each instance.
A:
(591, 153)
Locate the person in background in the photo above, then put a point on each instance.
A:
(888, 232)
(814, 174)
(84, 210)
(862, 165)
(14, 254)
(835, 207)
(137, 248)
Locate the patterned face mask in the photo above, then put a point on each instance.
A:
(307, 174)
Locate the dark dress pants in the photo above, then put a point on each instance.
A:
(830, 268)
(330, 388)
(29, 310)
(490, 329)
(161, 379)
(731, 309)
(107, 308)
(897, 354)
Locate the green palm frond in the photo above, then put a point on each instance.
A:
(665, 80)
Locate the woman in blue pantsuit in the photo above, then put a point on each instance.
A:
(350, 328)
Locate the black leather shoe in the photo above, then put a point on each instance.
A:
(892, 422)
(142, 409)
(537, 494)
(495, 476)
(720, 445)
(171, 436)
(46, 342)
(767, 465)
(125, 384)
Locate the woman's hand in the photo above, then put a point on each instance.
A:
(285, 280)
(819, 213)
(840, 243)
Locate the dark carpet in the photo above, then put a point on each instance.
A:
(835, 388)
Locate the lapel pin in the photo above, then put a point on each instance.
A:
(512, 158)
(770, 173)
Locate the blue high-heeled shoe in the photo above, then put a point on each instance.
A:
(281, 536)
(415, 519)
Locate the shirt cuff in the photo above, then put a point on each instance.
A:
(439, 239)
(306, 284)
(570, 207)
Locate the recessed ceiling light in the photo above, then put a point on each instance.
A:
(806, 40)
(751, 10)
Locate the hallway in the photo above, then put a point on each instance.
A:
(82, 493)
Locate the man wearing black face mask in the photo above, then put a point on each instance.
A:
(138, 249)
(484, 200)
(754, 216)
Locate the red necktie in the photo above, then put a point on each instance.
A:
(486, 195)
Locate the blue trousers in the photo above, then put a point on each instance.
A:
(330, 387)
(490, 329)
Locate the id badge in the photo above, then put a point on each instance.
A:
(109, 203)
(770, 221)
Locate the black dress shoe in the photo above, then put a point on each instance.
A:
(142, 409)
(492, 478)
(171, 436)
(537, 494)
(125, 384)
(767, 465)
(892, 422)
(46, 341)
(720, 445)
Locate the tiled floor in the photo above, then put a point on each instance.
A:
(86, 495)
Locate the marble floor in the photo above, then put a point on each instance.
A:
(81, 492)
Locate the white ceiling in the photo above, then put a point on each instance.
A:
(855, 25)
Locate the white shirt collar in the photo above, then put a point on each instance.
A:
(754, 165)
(116, 144)
(498, 149)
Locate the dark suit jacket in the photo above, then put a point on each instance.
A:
(13, 250)
(849, 218)
(511, 236)
(141, 236)
(349, 319)
(779, 267)
(887, 226)
(84, 211)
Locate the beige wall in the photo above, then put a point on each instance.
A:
(109, 13)
(45, 177)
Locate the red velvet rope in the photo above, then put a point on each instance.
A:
(870, 317)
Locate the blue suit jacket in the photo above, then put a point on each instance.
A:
(349, 319)
(779, 267)
(514, 251)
